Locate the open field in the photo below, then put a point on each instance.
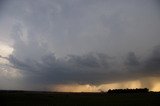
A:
(28, 98)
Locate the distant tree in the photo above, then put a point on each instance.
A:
(137, 90)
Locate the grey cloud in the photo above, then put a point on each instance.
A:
(84, 41)
(80, 69)
(90, 60)
(90, 68)
(152, 63)
(132, 59)
(145, 65)
(79, 27)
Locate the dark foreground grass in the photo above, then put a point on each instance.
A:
(23, 98)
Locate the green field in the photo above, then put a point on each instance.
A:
(23, 98)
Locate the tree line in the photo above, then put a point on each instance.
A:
(137, 90)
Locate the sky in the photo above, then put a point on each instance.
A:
(79, 45)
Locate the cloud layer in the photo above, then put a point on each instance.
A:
(81, 41)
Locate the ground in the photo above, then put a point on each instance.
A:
(26, 98)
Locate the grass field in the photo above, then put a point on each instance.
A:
(26, 98)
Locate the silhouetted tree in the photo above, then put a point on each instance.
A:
(137, 90)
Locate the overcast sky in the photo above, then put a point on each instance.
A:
(53, 44)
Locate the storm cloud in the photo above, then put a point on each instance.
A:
(89, 69)
(80, 41)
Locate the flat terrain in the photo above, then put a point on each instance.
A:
(28, 98)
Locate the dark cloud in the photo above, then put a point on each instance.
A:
(132, 62)
(82, 41)
(152, 63)
(86, 68)
(132, 59)
(2, 3)
(93, 68)
(90, 60)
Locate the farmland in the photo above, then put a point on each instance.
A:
(31, 98)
